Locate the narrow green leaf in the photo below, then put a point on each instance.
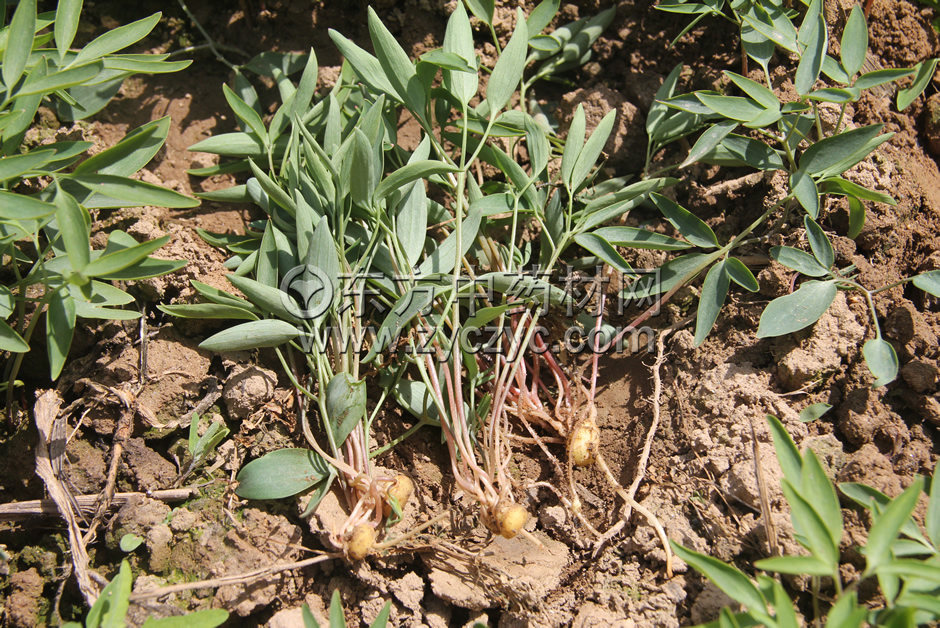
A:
(846, 612)
(208, 618)
(222, 297)
(783, 608)
(881, 360)
(22, 30)
(815, 533)
(541, 16)
(208, 310)
(306, 88)
(281, 473)
(819, 492)
(856, 217)
(251, 335)
(231, 145)
(796, 311)
(838, 185)
(812, 412)
(397, 66)
(741, 274)
(21, 207)
(337, 617)
(714, 293)
(733, 107)
(932, 517)
(412, 222)
(132, 192)
(74, 229)
(880, 77)
(640, 239)
(117, 259)
(507, 73)
(729, 579)
(381, 620)
(60, 80)
(758, 92)
(886, 527)
(458, 40)
(736, 150)
(360, 158)
(929, 282)
(819, 243)
(10, 340)
(345, 405)
(13, 166)
(854, 41)
(132, 153)
(60, 327)
(574, 142)
(110, 609)
(246, 114)
(366, 66)
(797, 565)
(115, 39)
(804, 188)
(839, 152)
(811, 59)
(482, 9)
(592, 149)
(925, 71)
(837, 95)
(416, 300)
(443, 258)
(67, 14)
(411, 172)
(709, 140)
(691, 227)
(269, 298)
(600, 247)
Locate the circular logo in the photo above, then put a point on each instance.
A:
(307, 291)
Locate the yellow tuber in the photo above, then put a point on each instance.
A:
(584, 443)
(400, 492)
(510, 519)
(360, 541)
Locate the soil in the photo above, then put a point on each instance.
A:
(700, 480)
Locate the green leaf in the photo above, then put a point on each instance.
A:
(854, 41)
(132, 153)
(714, 293)
(130, 542)
(812, 412)
(306, 88)
(741, 274)
(836, 95)
(281, 473)
(60, 327)
(67, 14)
(132, 192)
(10, 340)
(74, 229)
(815, 533)
(736, 150)
(208, 618)
(733, 107)
(208, 310)
(231, 145)
(15, 165)
(929, 282)
(117, 259)
(443, 258)
(640, 239)
(884, 531)
(507, 73)
(727, 578)
(856, 217)
(838, 153)
(364, 182)
(482, 9)
(804, 189)
(819, 492)
(345, 405)
(411, 172)
(783, 608)
(838, 185)
(880, 77)
(337, 617)
(798, 310)
(797, 565)
(458, 40)
(787, 454)
(366, 66)
(925, 71)
(540, 151)
(600, 247)
(406, 308)
(758, 92)
(592, 149)
(397, 66)
(691, 227)
(22, 30)
(110, 609)
(251, 335)
(932, 517)
(309, 620)
(882, 361)
(819, 243)
(272, 189)
(811, 59)
(20, 207)
(115, 39)
(708, 140)
(574, 142)
(381, 620)
(60, 80)
(846, 612)
(541, 16)
(221, 297)
(269, 298)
